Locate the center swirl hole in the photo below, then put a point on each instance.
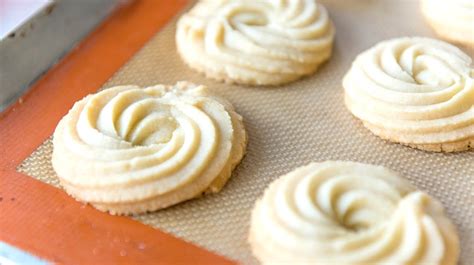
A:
(155, 128)
(249, 18)
(428, 70)
(358, 210)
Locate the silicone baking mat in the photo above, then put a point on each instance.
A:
(291, 125)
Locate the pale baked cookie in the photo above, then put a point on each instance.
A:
(255, 42)
(129, 150)
(451, 19)
(415, 91)
(350, 213)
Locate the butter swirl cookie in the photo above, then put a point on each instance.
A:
(265, 42)
(129, 150)
(415, 91)
(350, 213)
(452, 20)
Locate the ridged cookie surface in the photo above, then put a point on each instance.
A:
(452, 20)
(415, 91)
(255, 42)
(130, 150)
(350, 213)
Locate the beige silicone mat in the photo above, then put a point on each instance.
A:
(292, 125)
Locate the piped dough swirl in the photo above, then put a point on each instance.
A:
(266, 42)
(350, 213)
(130, 150)
(415, 91)
(452, 20)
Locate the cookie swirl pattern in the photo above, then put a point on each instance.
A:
(266, 42)
(415, 91)
(129, 150)
(452, 20)
(350, 213)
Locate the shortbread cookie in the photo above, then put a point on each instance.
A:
(453, 20)
(415, 91)
(129, 150)
(255, 42)
(350, 213)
